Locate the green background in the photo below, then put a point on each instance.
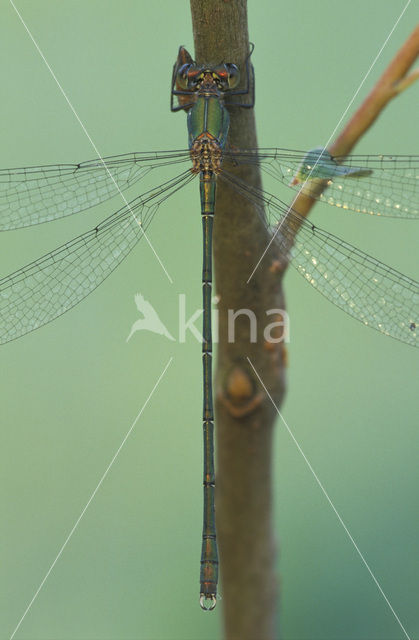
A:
(70, 391)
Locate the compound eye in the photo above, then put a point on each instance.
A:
(182, 76)
(233, 75)
(228, 76)
(189, 77)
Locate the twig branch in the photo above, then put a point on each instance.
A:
(393, 81)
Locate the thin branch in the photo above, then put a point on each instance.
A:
(391, 84)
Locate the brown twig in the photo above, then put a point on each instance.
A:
(244, 416)
(393, 81)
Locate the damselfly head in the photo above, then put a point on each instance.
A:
(190, 76)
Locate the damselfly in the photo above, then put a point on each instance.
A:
(365, 288)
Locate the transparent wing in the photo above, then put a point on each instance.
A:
(33, 195)
(368, 290)
(381, 185)
(56, 282)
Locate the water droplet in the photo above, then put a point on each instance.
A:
(208, 602)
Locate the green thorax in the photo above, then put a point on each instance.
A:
(208, 117)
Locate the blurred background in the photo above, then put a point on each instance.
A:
(71, 390)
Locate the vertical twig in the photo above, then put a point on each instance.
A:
(244, 416)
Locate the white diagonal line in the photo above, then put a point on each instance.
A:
(326, 495)
(91, 498)
(330, 137)
(90, 139)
